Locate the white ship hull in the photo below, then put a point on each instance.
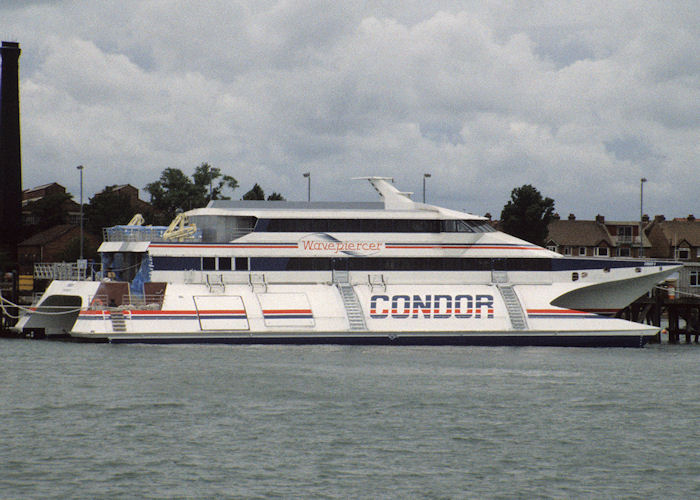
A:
(419, 313)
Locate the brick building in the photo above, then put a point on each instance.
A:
(52, 245)
(35, 200)
(595, 238)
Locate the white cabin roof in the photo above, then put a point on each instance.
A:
(395, 205)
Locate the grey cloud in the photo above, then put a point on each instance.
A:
(580, 100)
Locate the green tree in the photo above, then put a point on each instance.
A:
(276, 196)
(173, 191)
(256, 193)
(205, 175)
(527, 214)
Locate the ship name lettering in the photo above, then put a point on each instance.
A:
(431, 306)
(342, 246)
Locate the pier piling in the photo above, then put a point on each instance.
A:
(651, 310)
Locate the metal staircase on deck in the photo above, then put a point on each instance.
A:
(515, 310)
(356, 317)
(118, 323)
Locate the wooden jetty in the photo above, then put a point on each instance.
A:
(671, 303)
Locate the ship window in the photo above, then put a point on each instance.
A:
(336, 226)
(421, 226)
(574, 276)
(357, 264)
(449, 226)
(466, 226)
(208, 263)
(176, 263)
(486, 227)
(384, 226)
(397, 264)
(349, 225)
(224, 263)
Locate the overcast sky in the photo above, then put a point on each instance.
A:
(579, 98)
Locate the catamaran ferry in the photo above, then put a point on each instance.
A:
(390, 272)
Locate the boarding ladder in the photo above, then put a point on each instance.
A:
(353, 309)
(515, 310)
(118, 323)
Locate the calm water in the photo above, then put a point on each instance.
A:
(337, 422)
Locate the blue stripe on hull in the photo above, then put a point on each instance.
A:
(453, 340)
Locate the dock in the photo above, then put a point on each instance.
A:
(673, 304)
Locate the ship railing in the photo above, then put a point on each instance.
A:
(142, 233)
(376, 280)
(142, 302)
(257, 282)
(215, 282)
(70, 271)
(100, 302)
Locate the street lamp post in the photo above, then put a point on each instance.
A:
(80, 168)
(308, 191)
(641, 215)
(425, 176)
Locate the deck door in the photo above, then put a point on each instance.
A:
(221, 312)
(286, 309)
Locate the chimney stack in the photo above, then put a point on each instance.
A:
(10, 157)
